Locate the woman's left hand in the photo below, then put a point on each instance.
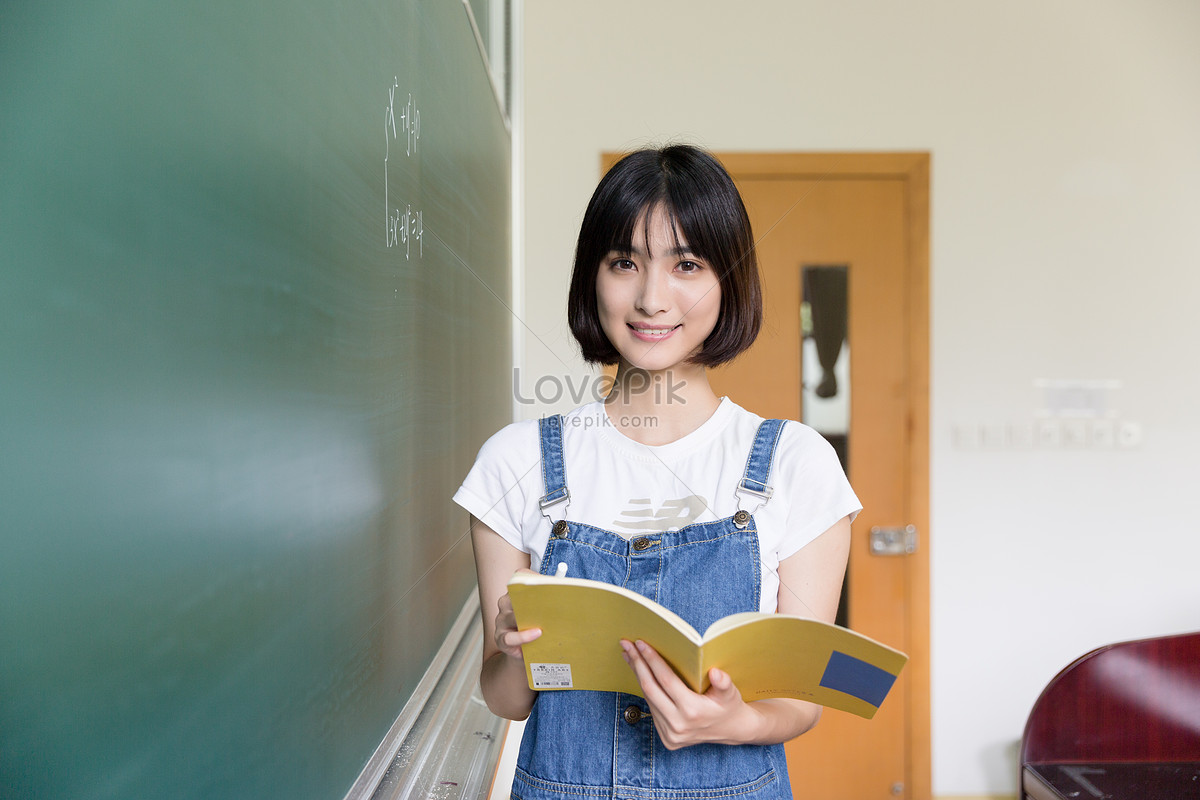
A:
(683, 717)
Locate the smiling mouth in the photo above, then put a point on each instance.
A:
(652, 334)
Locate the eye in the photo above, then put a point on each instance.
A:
(688, 267)
(622, 265)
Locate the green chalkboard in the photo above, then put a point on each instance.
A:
(253, 258)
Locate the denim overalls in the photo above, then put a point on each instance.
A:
(581, 744)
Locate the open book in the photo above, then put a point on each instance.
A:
(766, 655)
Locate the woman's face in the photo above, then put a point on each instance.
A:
(657, 307)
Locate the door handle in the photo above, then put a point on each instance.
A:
(887, 541)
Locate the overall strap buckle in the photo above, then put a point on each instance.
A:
(758, 467)
(559, 495)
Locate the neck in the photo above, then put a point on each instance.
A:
(660, 407)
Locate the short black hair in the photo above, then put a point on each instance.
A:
(701, 202)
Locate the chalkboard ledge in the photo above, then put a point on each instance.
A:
(445, 741)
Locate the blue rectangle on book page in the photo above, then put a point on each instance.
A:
(858, 678)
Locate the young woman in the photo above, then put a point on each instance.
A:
(663, 488)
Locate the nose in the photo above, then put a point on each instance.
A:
(654, 292)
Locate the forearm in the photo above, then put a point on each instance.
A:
(774, 721)
(505, 687)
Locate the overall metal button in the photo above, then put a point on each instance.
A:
(741, 519)
(641, 543)
(633, 715)
(560, 529)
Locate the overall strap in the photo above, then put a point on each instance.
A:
(554, 472)
(758, 465)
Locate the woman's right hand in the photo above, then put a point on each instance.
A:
(508, 638)
(502, 676)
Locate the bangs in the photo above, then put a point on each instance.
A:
(622, 234)
(687, 231)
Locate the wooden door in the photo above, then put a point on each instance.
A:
(868, 212)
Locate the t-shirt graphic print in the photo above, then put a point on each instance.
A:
(640, 515)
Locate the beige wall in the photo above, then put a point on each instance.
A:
(1066, 163)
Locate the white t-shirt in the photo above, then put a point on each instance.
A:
(632, 489)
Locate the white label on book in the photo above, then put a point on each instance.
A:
(551, 676)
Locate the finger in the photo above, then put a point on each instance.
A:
(645, 676)
(722, 687)
(523, 637)
(510, 641)
(505, 618)
(660, 684)
(663, 672)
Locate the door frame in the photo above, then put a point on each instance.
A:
(912, 169)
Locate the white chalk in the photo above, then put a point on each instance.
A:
(561, 572)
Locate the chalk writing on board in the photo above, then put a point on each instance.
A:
(410, 120)
(402, 229)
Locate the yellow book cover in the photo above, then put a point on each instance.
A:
(766, 655)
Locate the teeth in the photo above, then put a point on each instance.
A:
(654, 331)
